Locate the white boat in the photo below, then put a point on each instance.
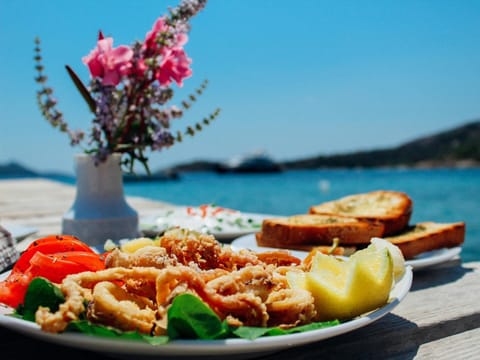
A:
(255, 162)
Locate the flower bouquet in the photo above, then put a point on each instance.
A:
(129, 91)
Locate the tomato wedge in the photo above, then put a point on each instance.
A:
(52, 267)
(52, 257)
(50, 245)
(88, 261)
(13, 289)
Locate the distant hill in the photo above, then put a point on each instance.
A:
(458, 147)
(13, 169)
(200, 165)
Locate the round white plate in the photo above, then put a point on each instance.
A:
(421, 261)
(434, 257)
(236, 348)
(226, 224)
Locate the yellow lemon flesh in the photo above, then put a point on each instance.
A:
(135, 244)
(344, 289)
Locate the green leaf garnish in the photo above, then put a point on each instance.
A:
(86, 327)
(251, 332)
(40, 292)
(190, 318)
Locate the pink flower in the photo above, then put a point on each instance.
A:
(158, 27)
(175, 65)
(181, 39)
(109, 63)
(173, 61)
(138, 68)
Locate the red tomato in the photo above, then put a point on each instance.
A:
(53, 258)
(13, 289)
(50, 245)
(88, 261)
(52, 267)
(203, 209)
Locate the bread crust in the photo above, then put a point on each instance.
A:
(317, 229)
(326, 249)
(391, 208)
(427, 236)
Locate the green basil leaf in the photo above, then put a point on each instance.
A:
(251, 332)
(40, 292)
(86, 327)
(190, 318)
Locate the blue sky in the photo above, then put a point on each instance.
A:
(294, 78)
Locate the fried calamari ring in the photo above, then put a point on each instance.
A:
(114, 306)
(148, 256)
(77, 288)
(290, 307)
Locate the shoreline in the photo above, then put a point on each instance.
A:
(426, 165)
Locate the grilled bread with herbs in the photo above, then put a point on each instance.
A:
(308, 230)
(427, 236)
(393, 209)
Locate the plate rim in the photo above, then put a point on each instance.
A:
(210, 347)
(442, 256)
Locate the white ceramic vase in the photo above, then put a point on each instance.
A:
(100, 210)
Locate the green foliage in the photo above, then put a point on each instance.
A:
(190, 318)
(40, 292)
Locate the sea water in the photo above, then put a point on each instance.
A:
(440, 195)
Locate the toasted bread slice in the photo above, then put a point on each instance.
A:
(326, 249)
(391, 208)
(427, 236)
(315, 230)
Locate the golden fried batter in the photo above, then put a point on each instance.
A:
(136, 290)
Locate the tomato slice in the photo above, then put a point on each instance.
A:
(91, 261)
(52, 257)
(14, 287)
(52, 267)
(50, 245)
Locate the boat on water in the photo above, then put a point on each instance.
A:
(256, 162)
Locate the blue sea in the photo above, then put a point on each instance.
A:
(440, 195)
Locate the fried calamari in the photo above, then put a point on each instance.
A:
(136, 290)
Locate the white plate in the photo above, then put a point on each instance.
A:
(226, 224)
(421, 261)
(19, 232)
(236, 348)
(434, 257)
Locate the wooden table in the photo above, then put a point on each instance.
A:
(439, 318)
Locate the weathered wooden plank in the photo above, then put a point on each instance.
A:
(457, 346)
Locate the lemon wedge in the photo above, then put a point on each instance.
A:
(346, 288)
(395, 253)
(133, 245)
